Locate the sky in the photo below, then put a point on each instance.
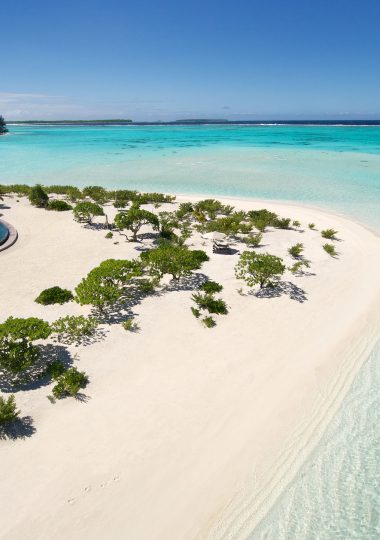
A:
(171, 59)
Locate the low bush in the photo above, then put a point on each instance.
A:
(282, 223)
(208, 302)
(253, 239)
(298, 267)
(311, 226)
(59, 206)
(69, 383)
(54, 295)
(296, 224)
(55, 368)
(209, 322)
(73, 328)
(109, 235)
(195, 312)
(296, 250)
(330, 249)
(329, 234)
(130, 325)
(8, 410)
(211, 287)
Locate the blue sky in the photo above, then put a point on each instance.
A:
(167, 59)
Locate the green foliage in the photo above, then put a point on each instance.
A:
(207, 302)
(72, 192)
(153, 198)
(104, 285)
(184, 210)
(282, 223)
(311, 226)
(38, 197)
(196, 312)
(329, 234)
(134, 219)
(211, 287)
(253, 239)
(17, 353)
(171, 259)
(262, 219)
(296, 250)
(3, 126)
(85, 211)
(59, 206)
(147, 286)
(109, 234)
(209, 322)
(54, 295)
(72, 328)
(330, 249)
(298, 267)
(296, 224)
(69, 383)
(19, 189)
(257, 268)
(97, 193)
(130, 325)
(55, 368)
(8, 409)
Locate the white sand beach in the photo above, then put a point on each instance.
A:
(187, 432)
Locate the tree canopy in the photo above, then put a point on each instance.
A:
(257, 268)
(38, 197)
(86, 211)
(134, 219)
(3, 126)
(172, 259)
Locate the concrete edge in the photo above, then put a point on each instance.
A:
(13, 235)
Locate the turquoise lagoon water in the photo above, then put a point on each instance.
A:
(336, 494)
(332, 166)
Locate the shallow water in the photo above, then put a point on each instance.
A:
(332, 166)
(336, 493)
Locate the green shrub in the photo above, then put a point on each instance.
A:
(329, 234)
(298, 266)
(8, 410)
(296, 250)
(97, 193)
(55, 368)
(330, 249)
(257, 268)
(85, 211)
(253, 239)
(38, 197)
(147, 286)
(195, 312)
(59, 206)
(54, 295)
(296, 224)
(72, 328)
(208, 302)
(130, 325)
(282, 223)
(211, 287)
(311, 226)
(209, 322)
(109, 235)
(69, 383)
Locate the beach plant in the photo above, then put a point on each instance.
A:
(211, 287)
(59, 206)
(74, 328)
(311, 226)
(196, 312)
(17, 351)
(54, 295)
(178, 261)
(259, 269)
(104, 285)
(69, 383)
(296, 224)
(130, 325)
(298, 267)
(8, 410)
(85, 211)
(282, 223)
(55, 368)
(329, 234)
(207, 302)
(330, 249)
(3, 126)
(253, 239)
(209, 207)
(97, 193)
(109, 234)
(296, 250)
(184, 210)
(209, 322)
(38, 197)
(134, 219)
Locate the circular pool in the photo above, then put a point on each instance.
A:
(4, 233)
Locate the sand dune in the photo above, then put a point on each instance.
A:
(187, 432)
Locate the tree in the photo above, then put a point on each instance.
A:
(3, 126)
(84, 212)
(38, 197)
(259, 269)
(8, 410)
(17, 352)
(134, 219)
(171, 259)
(54, 295)
(96, 193)
(104, 285)
(73, 328)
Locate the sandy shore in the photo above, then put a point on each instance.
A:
(187, 432)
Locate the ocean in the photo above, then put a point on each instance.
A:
(336, 494)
